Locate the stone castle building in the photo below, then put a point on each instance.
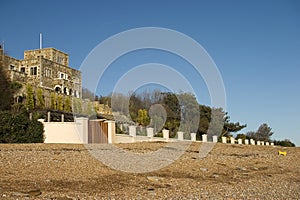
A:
(46, 68)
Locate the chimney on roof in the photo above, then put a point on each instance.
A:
(41, 41)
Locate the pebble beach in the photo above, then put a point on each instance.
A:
(69, 171)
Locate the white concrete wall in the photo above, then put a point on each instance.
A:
(61, 132)
(122, 138)
(142, 139)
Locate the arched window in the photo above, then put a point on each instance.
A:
(57, 89)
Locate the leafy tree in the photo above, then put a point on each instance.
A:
(216, 118)
(18, 128)
(89, 108)
(158, 117)
(29, 97)
(263, 133)
(241, 136)
(135, 104)
(15, 88)
(230, 127)
(87, 94)
(173, 110)
(60, 105)
(216, 124)
(77, 106)
(284, 143)
(40, 99)
(251, 134)
(67, 104)
(106, 100)
(119, 103)
(172, 105)
(53, 101)
(6, 93)
(143, 118)
(189, 112)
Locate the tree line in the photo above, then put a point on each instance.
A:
(175, 112)
(165, 110)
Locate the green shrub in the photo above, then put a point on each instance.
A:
(284, 143)
(17, 128)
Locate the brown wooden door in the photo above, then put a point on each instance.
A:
(98, 131)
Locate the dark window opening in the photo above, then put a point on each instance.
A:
(22, 69)
(57, 89)
(33, 71)
(19, 99)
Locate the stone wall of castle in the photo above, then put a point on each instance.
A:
(44, 68)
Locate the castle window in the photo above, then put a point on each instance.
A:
(63, 76)
(60, 59)
(57, 89)
(12, 67)
(33, 70)
(22, 69)
(47, 73)
(75, 93)
(76, 80)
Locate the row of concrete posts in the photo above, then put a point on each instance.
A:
(180, 137)
(166, 136)
(246, 141)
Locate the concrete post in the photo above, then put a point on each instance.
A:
(267, 143)
(215, 138)
(258, 142)
(252, 142)
(272, 143)
(180, 135)
(224, 139)
(82, 128)
(246, 141)
(193, 137)
(166, 134)
(41, 120)
(232, 140)
(30, 116)
(204, 138)
(150, 132)
(62, 118)
(111, 126)
(240, 141)
(49, 117)
(132, 131)
(262, 143)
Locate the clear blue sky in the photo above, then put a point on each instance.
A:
(255, 44)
